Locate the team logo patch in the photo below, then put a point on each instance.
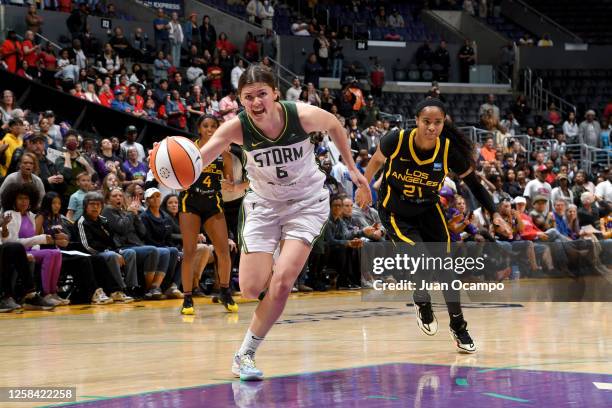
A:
(164, 172)
(437, 166)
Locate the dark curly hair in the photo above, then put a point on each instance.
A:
(9, 197)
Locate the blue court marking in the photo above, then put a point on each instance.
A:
(506, 397)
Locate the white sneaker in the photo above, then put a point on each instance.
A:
(63, 302)
(121, 297)
(52, 300)
(100, 298)
(426, 318)
(173, 293)
(243, 366)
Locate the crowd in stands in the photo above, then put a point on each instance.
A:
(86, 213)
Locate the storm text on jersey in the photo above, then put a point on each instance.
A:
(278, 155)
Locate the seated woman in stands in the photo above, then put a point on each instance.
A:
(85, 270)
(15, 264)
(18, 200)
(159, 234)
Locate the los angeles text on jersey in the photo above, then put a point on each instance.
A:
(278, 155)
(415, 177)
(213, 169)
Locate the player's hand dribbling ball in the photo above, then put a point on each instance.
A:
(176, 162)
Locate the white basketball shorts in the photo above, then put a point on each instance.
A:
(264, 223)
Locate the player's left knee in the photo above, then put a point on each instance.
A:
(280, 289)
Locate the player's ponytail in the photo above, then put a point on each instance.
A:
(460, 142)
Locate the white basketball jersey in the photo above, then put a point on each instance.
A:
(285, 168)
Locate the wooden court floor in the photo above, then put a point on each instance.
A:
(338, 339)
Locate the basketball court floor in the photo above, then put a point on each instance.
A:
(328, 349)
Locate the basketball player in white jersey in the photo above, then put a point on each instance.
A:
(286, 203)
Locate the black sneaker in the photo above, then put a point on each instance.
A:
(37, 302)
(4, 306)
(426, 319)
(225, 297)
(187, 308)
(462, 338)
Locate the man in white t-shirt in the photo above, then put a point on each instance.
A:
(604, 189)
(538, 186)
(293, 93)
(131, 133)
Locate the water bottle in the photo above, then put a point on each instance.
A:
(516, 273)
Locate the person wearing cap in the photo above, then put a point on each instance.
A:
(550, 132)
(10, 142)
(159, 234)
(47, 171)
(29, 142)
(540, 208)
(119, 103)
(416, 163)
(131, 132)
(589, 130)
(538, 186)
(562, 191)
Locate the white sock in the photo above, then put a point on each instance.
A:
(250, 343)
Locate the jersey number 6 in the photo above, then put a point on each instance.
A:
(280, 173)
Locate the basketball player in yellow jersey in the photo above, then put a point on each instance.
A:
(286, 205)
(202, 203)
(416, 163)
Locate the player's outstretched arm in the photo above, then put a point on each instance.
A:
(315, 119)
(229, 132)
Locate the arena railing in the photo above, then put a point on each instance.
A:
(585, 156)
(540, 98)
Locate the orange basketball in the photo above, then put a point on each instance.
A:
(176, 162)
